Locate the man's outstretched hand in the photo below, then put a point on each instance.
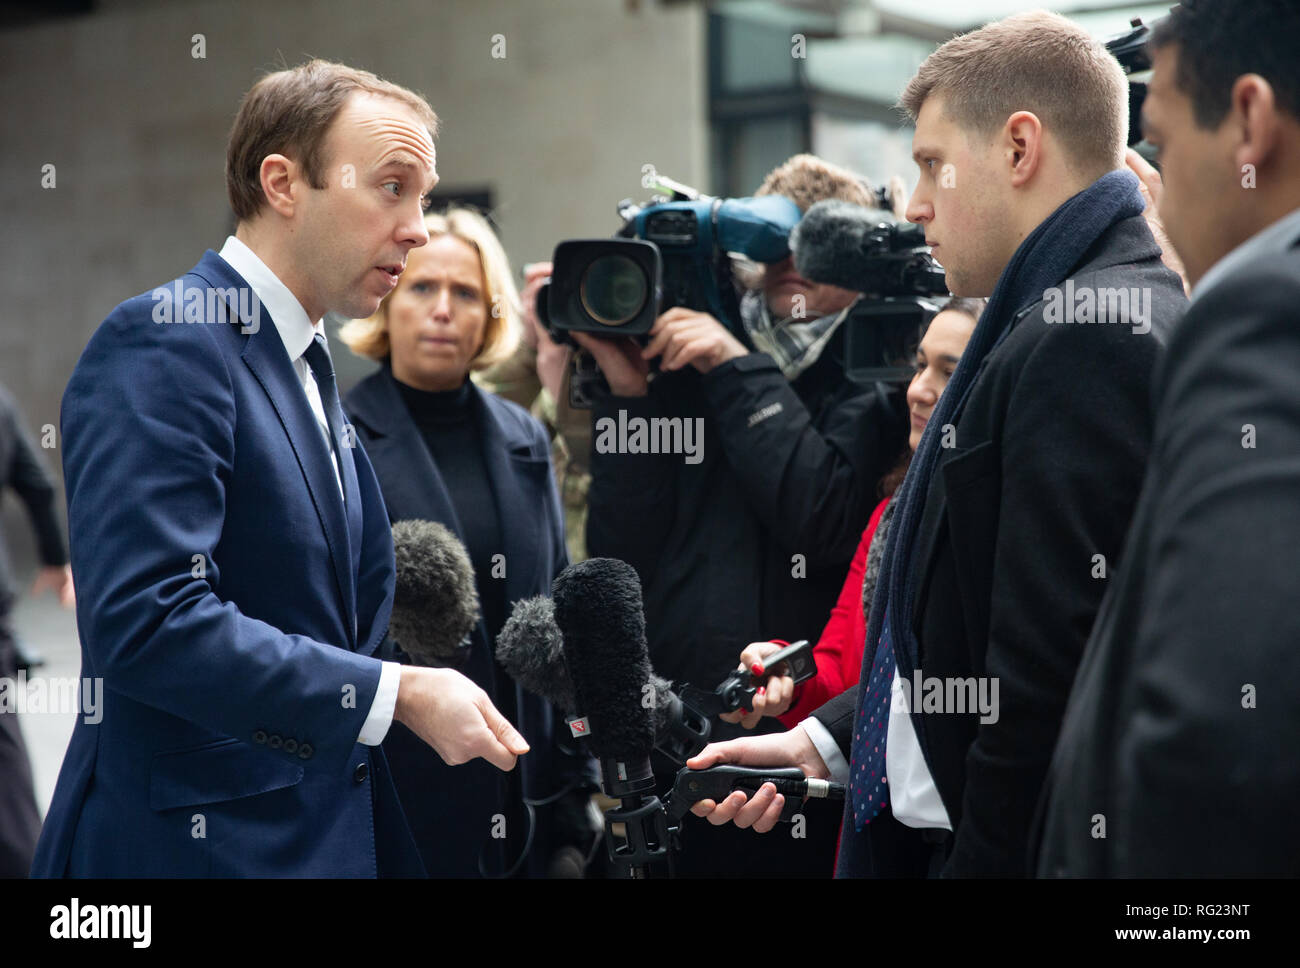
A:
(456, 717)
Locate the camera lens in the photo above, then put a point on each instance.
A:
(613, 290)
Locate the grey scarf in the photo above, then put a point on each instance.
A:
(794, 342)
(875, 553)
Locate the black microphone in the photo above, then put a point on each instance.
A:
(598, 610)
(435, 599)
(842, 244)
(531, 650)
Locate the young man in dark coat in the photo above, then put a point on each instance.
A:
(1016, 504)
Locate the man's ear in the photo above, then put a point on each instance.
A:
(280, 177)
(1022, 138)
(1254, 119)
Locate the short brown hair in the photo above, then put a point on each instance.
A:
(369, 337)
(807, 179)
(289, 112)
(1039, 62)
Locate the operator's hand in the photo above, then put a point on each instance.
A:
(792, 748)
(552, 358)
(898, 198)
(685, 336)
(454, 716)
(772, 699)
(625, 369)
(1150, 184)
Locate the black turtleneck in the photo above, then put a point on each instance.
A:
(447, 423)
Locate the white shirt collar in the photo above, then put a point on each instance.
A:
(1276, 237)
(290, 319)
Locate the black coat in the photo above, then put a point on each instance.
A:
(1181, 730)
(749, 544)
(450, 809)
(1044, 475)
(754, 541)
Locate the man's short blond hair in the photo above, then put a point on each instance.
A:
(369, 337)
(1038, 62)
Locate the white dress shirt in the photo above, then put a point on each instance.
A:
(296, 333)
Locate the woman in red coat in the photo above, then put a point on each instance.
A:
(838, 652)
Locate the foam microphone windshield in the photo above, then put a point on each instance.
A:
(435, 600)
(531, 650)
(833, 242)
(599, 613)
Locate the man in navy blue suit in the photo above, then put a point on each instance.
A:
(230, 546)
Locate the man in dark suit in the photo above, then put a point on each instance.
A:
(233, 559)
(21, 469)
(1177, 753)
(1035, 454)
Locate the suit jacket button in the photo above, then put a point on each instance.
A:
(275, 742)
(291, 746)
(259, 736)
(305, 751)
(360, 773)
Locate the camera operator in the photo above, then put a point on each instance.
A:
(750, 537)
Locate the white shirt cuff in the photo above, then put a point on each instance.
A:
(380, 719)
(828, 748)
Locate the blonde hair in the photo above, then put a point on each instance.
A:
(1039, 62)
(369, 337)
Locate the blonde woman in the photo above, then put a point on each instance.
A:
(445, 451)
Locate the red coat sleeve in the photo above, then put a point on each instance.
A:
(838, 652)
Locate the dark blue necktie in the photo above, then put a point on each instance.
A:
(870, 792)
(318, 358)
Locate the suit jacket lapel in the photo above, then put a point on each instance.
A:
(266, 357)
(352, 506)
(419, 491)
(416, 492)
(508, 457)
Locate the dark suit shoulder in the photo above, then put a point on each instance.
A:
(138, 340)
(1261, 296)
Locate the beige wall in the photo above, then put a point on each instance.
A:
(588, 92)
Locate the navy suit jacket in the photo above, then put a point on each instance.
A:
(231, 606)
(451, 829)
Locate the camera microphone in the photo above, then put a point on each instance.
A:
(841, 244)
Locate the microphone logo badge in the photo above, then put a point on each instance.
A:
(579, 726)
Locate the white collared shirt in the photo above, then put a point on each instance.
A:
(296, 333)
